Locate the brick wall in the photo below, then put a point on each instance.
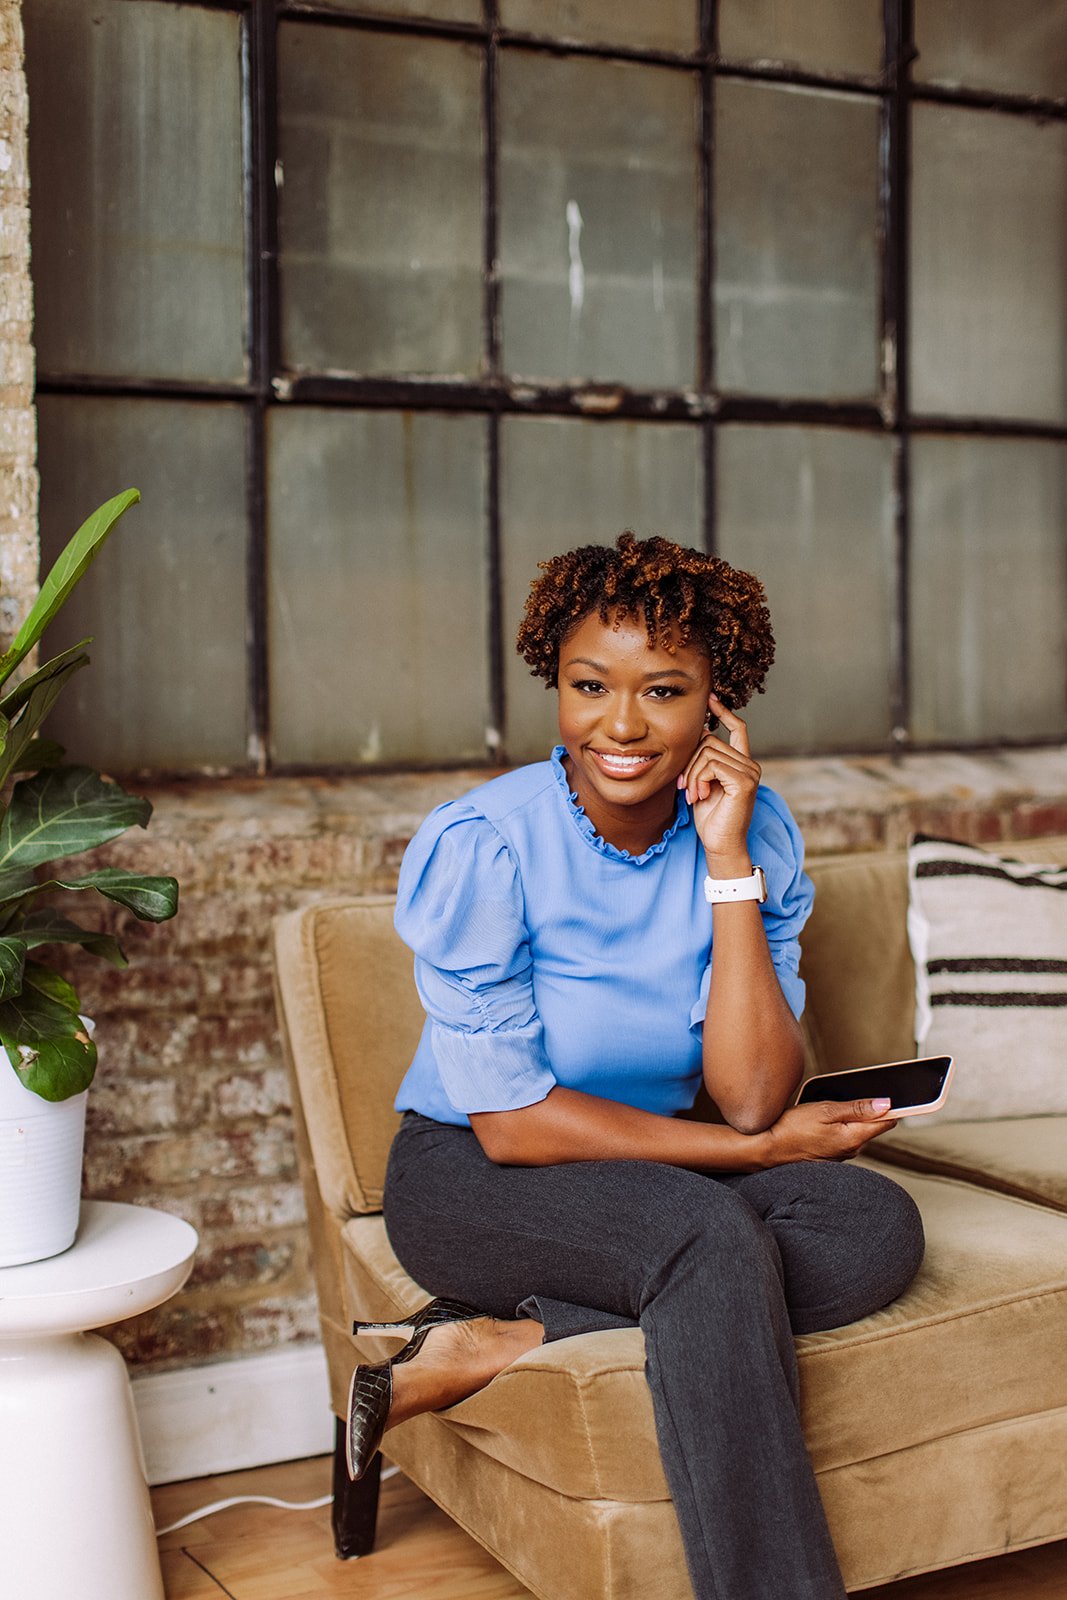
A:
(190, 1109)
(18, 476)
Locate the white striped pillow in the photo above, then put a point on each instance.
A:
(989, 940)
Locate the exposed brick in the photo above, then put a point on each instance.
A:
(969, 824)
(261, 1206)
(240, 1262)
(124, 1104)
(246, 1094)
(174, 1334)
(150, 1163)
(266, 1324)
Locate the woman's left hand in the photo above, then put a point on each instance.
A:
(720, 784)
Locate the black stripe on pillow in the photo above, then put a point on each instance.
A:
(1014, 997)
(968, 869)
(996, 964)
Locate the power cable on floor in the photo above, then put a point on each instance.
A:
(256, 1500)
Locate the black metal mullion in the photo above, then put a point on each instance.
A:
(899, 52)
(497, 732)
(706, 275)
(263, 229)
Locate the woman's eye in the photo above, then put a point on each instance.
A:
(588, 686)
(664, 691)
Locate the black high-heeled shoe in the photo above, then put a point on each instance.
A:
(431, 1315)
(370, 1394)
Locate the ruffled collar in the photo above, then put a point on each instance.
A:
(589, 833)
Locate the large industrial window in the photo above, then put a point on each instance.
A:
(381, 304)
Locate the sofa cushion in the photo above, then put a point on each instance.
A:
(978, 1338)
(855, 958)
(988, 936)
(1023, 1156)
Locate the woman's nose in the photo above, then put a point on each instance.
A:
(625, 718)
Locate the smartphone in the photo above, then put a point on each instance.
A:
(912, 1088)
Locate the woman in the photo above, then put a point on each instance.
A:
(594, 935)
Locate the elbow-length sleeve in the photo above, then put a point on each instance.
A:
(460, 909)
(775, 843)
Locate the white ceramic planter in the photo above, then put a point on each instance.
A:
(41, 1143)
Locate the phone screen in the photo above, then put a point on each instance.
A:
(904, 1083)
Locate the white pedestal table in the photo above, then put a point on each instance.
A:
(75, 1517)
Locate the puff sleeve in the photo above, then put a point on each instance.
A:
(460, 909)
(774, 842)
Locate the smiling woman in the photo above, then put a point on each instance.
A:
(596, 936)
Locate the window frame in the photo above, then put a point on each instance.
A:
(495, 395)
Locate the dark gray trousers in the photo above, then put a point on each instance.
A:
(718, 1272)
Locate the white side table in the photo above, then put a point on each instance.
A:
(75, 1517)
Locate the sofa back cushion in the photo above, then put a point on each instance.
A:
(352, 1017)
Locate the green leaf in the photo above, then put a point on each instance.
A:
(68, 569)
(40, 703)
(12, 960)
(151, 899)
(38, 754)
(63, 811)
(43, 925)
(46, 1039)
(12, 702)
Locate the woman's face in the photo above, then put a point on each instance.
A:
(631, 714)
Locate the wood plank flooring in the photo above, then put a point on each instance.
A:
(262, 1553)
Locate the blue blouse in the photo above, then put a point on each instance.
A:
(544, 955)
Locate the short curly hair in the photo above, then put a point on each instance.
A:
(682, 596)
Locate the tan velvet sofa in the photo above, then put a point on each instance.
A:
(938, 1426)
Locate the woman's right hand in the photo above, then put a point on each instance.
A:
(826, 1130)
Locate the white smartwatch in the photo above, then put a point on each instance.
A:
(721, 891)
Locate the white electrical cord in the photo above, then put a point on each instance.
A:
(256, 1500)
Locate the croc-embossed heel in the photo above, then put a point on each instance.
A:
(370, 1394)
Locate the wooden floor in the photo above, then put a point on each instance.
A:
(260, 1553)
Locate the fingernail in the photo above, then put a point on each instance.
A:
(880, 1105)
(680, 783)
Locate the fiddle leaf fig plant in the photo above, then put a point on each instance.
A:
(57, 812)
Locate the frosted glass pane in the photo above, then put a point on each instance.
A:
(135, 173)
(796, 244)
(1010, 46)
(598, 220)
(666, 25)
(434, 10)
(377, 587)
(989, 265)
(825, 35)
(988, 588)
(165, 599)
(810, 511)
(380, 211)
(566, 483)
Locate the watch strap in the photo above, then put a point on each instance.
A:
(722, 891)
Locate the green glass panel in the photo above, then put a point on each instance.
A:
(666, 25)
(988, 589)
(598, 220)
(822, 35)
(810, 512)
(377, 602)
(380, 210)
(796, 242)
(989, 264)
(136, 189)
(567, 483)
(165, 599)
(1007, 46)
